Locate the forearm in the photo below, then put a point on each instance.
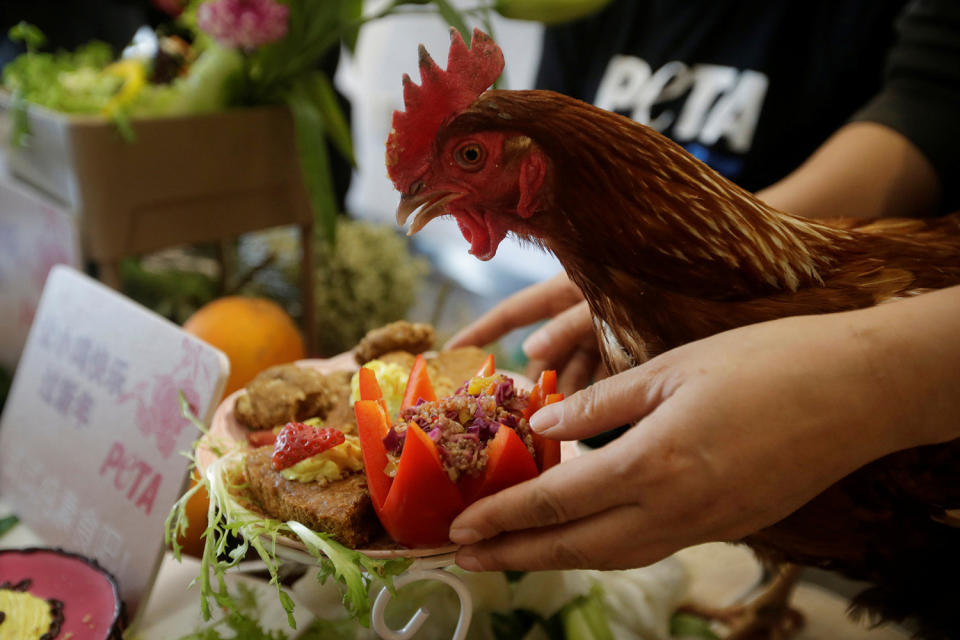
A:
(864, 170)
(912, 350)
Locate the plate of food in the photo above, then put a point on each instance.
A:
(288, 447)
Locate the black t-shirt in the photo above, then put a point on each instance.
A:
(752, 88)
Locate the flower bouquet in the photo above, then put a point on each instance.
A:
(220, 129)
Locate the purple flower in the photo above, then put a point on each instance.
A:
(244, 24)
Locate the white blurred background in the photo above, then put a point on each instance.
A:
(387, 49)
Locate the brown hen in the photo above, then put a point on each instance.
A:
(667, 251)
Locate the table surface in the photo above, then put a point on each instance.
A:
(721, 573)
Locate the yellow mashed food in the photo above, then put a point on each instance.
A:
(392, 379)
(329, 465)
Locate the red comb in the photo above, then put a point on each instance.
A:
(439, 95)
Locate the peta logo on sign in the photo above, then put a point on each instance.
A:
(716, 102)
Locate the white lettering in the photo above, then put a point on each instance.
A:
(721, 102)
(621, 83)
(668, 82)
(710, 81)
(735, 115)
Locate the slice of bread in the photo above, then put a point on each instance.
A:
(341, 508)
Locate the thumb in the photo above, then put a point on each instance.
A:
(624, 398)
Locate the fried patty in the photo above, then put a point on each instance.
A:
(342, 508)
(289, 392)
(412, 337)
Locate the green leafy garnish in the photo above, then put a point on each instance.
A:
(242, 621)
(586, 617)
(232, 522)
(7, 523)
(686, 625)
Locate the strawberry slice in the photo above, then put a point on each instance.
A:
(298, 441)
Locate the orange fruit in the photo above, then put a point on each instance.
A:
(254, 333)
(196, 510)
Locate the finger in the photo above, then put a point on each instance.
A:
(579, 370)
(624, 398)
(535, 367)
(618, 538)
(525, 307)
(554, 340)
(579, 487)
(574, 372)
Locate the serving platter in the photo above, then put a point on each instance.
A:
(228, 437)
(228, 434)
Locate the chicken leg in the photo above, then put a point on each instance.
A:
(767, 616)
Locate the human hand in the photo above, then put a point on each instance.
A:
(565, 343)
(735, 432)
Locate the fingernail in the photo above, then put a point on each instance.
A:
(468, 561)
(464, 536)
(545, 419)
(535, 343)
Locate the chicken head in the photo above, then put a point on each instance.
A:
(488, 180)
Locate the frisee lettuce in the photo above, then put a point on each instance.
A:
(229, 521)
(7, 523)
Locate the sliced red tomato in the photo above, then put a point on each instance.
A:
(508, 462)
(547, 449)
(418, 385)
(372, 426)
(488, 368)
(543, 393)
(548, 382)
(423, 501)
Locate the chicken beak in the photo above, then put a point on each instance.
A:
(434, 205)
(409, 204)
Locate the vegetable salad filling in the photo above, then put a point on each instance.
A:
(461, 425)
(444, 454)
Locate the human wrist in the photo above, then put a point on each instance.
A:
(911, 352)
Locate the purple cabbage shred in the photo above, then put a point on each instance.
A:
(394, 440)
(483, 428)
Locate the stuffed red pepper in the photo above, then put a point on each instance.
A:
(441, 454)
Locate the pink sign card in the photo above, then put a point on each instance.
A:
(91, 435)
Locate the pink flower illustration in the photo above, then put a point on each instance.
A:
(160, 415)
(244, 24)
(158, 402)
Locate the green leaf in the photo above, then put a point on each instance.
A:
(586, 618)
(310, 134)
(345, 629)
(314, 27)
(351, 13)
(29, 34)
(333, 117)
(7, 523)
(686, 625)
(453, 18)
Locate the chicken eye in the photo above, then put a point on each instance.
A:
(470, 156)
